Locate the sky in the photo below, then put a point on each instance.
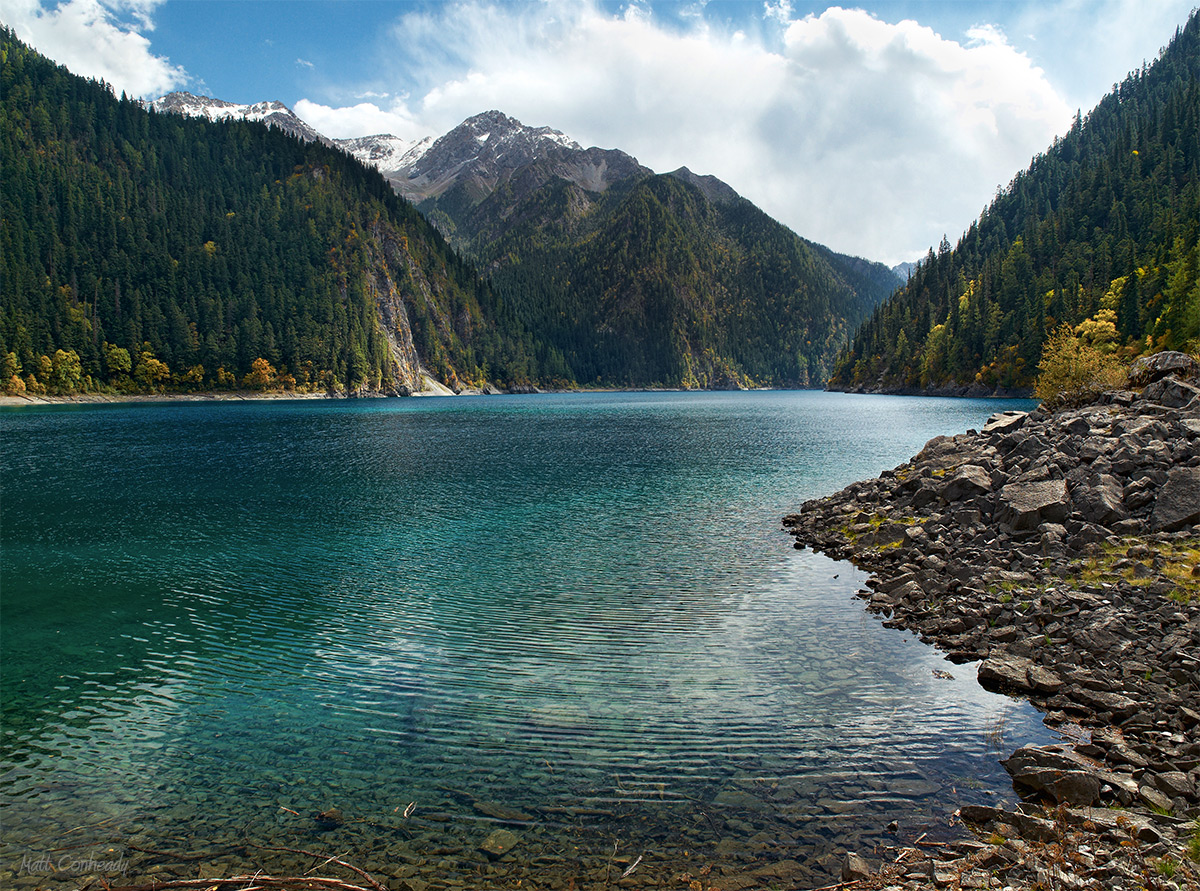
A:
(873, 128)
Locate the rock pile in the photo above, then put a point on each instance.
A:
(1061, 550)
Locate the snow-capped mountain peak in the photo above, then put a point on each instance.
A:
(273, 113)
(499, 129)
(386, 152)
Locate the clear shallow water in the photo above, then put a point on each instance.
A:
(221, 619)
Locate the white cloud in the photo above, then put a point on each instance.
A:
(870, 136)
(304, 63)
(90, 38)
(882, 137)
(363, 119)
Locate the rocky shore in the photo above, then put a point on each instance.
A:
(1061, 551)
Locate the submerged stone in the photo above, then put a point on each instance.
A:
(499, 843)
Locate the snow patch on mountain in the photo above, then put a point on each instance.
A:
(274, 114)
(388, 153)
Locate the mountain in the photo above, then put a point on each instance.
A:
(1100, 234)
(637, 278)
(204, 251)
(386, 153)
(711, 187)
(492, 154)
(565, 235)
(651, 282)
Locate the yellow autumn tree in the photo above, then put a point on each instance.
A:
(1073, 371)
(261, 376)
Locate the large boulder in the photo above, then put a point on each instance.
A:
(1026, 505)
(1005, 422)
(1013, 674)
(1149, 369)
(1100, 499)
(1178, 504)
(1171, 392)
(1060, 775)
(971, 481)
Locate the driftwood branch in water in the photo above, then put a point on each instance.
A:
(246, 883)
(350, 866)
(258, 881)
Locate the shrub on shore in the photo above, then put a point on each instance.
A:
(1073, 372)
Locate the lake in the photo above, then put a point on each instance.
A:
(389, 629)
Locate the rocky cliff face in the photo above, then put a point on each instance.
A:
(1061, 550)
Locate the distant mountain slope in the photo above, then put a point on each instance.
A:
(635, 278)
(386, 153)
(651, 282)
(142, 250)
(470, 179)
(1101, 233)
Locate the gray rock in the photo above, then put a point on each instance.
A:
(909, 592)
(1029, 759)
(1025, 506)
(739, 800)
(1174, 783)
(1101, 701)
(1149, 369)
(1062, 776)
(1100, 499)
(887, 534)
(1151, 796)
(971, 481)
(979, 815)
(1005, 422)
(1006, 673)
(499, 843)
(1043, 680)
(1171, 392)
(1074, 787)
(1178, 504)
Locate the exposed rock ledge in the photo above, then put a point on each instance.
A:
(1061, 551)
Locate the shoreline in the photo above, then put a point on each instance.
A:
(1061, 553)
(136, 398)
(255, 396)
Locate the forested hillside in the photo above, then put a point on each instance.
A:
(142, 251)
(651, 281)
(1101, 233)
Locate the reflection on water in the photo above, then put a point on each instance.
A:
(393, 628)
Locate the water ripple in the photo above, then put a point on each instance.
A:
(218, 615)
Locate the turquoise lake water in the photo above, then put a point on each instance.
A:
(572, 616)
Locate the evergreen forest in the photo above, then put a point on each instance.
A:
(1099, 237)
(652, 282)
(143, 252)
